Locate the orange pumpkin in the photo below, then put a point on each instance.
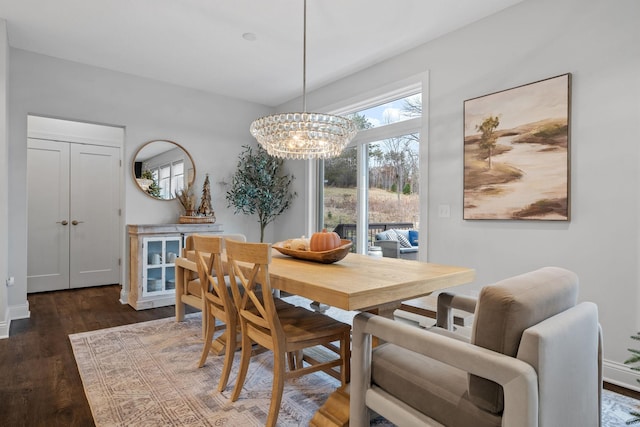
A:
(324, 241)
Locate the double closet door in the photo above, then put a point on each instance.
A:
(73, 215)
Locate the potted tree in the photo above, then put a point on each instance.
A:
(260, 187)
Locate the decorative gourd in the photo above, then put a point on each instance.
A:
(300, 244)
(324, 241)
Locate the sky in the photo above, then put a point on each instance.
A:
(389, 112)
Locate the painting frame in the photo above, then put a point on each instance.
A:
(516, 150)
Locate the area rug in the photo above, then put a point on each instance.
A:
(146, 374)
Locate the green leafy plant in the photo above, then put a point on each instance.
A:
(154, 188)
(634, 360)
(260, 187)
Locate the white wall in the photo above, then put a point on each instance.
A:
(5, 319)
(598, 42)
(212, 128)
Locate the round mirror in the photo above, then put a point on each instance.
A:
(161, 167)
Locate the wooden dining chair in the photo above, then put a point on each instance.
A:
(285, 332)
(188, 286)
(217, 302)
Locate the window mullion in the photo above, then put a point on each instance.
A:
(387, 131)
(362, 225)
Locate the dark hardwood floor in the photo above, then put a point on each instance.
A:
(39, 380)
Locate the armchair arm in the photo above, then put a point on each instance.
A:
(518, 379)
(390, 248)
(447, 302)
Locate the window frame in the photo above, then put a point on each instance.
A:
(361, 141)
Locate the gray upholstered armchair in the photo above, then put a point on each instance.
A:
(534, 359)
(396, 243)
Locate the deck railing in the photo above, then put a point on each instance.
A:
(348, 231)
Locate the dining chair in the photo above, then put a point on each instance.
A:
(217, 301)
(190, 293)
(285, 332)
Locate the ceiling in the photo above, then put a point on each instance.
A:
(199, 43)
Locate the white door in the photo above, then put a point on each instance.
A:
(73, 215)
(47, 215)
(94, 216)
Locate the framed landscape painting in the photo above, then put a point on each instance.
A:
(516, 153)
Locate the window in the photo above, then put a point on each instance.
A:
(164, 181)
(177, 176)
(374, 183)
(170, 177)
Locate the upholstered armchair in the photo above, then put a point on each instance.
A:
(397, 243)
(534, 359)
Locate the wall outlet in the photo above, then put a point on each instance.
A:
(11, 281)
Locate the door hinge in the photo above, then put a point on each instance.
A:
(119, 212)
(120, 163)
(119, 261)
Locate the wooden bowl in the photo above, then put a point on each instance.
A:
(324, 257)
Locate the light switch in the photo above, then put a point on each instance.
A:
(444, 211)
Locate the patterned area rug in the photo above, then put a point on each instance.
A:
(146, 374)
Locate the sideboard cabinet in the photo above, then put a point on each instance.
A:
(153, 250)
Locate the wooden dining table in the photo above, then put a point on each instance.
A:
(357, 282)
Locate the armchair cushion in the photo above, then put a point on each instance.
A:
(404, 240)
(505, 309)
(386, 235)
(428, 385)
(413, 237)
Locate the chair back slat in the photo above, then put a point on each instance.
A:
(208, 251)
(257, 305)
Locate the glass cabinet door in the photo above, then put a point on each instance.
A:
(159, 256)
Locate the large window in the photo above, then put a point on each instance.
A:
(374, 184)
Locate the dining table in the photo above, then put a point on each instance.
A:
(355, 283)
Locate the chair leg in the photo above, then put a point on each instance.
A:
(277, 388)
(210, 329)
(229, 351)
(345, 354)
(244, 366)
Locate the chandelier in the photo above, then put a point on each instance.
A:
(303, 135)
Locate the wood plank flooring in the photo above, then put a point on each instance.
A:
(39, 380)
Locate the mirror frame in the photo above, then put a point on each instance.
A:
(133, 167)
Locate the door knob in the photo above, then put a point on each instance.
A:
(74, 222)
(62, 222)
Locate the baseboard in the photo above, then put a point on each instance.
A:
(5, 325)
(621, 375)
(14, 312)
(20, 311)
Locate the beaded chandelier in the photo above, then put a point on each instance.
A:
(303, 135)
